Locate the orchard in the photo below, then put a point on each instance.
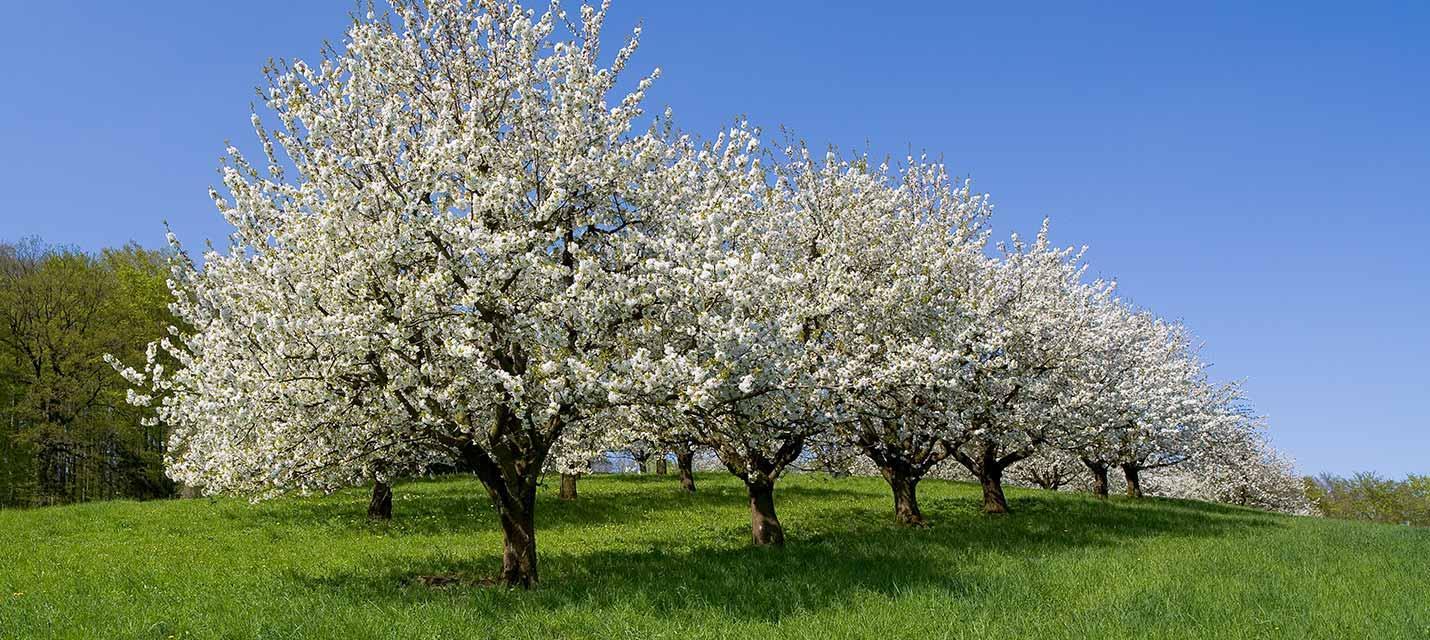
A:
(469, 244)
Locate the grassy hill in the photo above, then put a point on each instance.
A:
(632, 558)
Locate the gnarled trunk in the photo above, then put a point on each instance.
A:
(568, 487)
(380, 506)
(518, 558)
(906, 500)
(510, 478)
(902, 461)
(1133, 473)
(988, 468)
(764, 524)
(660, 465)
(759, 472)
(1099, 476)
(993, 499)
(685, 462)
(516, 507)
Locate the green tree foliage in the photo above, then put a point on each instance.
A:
(66, 433)
(1367, 496)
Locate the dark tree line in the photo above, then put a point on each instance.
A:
(66, 432)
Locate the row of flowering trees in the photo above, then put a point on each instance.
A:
(461, 246)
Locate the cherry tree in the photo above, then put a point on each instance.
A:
(1184, 415)
(1221, 454)
(1268, 480)
(641, 450)
(458, 249)
(683, 446)
(831, 453)
(650, 428)
(744, 350)
(1140, 401)
(914, 256)
(436, 261)
(1048, 468)
(671, 431)
(1031, 313)
(1114, 383)
(581, 443)
(1245, 471)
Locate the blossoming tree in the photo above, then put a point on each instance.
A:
(914, 255)
(1112, 384)
(435, 261)
(744, 352)
(1031, 314)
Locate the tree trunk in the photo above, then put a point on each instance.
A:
(568, 487)
(510, 471)
(1134, 480)
(1099, 476)
(516, 506)
(988, 468)
(518, 559)
(514, 498)
(906, 499)
(993, 499)
(685, 462)
(380, 506)
(660, 465)
(764, 524)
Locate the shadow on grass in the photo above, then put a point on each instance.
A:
(828, 564)
(457, 505)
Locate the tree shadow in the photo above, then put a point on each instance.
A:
(445, 505)
(825, 566)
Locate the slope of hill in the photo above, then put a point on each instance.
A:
(634, 558)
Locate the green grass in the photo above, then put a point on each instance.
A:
(632, 558)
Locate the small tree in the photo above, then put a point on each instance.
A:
(1049, 468)
(641, 450)
(1112, 383)
(672, 432)
(684, 450)
(1180, 415)
(580, 444)
(1244, 470)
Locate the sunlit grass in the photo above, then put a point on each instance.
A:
(633, 558)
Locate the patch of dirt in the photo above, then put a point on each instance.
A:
(449, 580)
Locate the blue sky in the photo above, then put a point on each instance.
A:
(1257, 170)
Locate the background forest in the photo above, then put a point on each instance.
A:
(66, 432)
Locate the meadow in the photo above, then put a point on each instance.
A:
(635, 558)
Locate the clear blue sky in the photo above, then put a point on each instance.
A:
(1258, 170)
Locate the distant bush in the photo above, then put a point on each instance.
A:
(1368, 496)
